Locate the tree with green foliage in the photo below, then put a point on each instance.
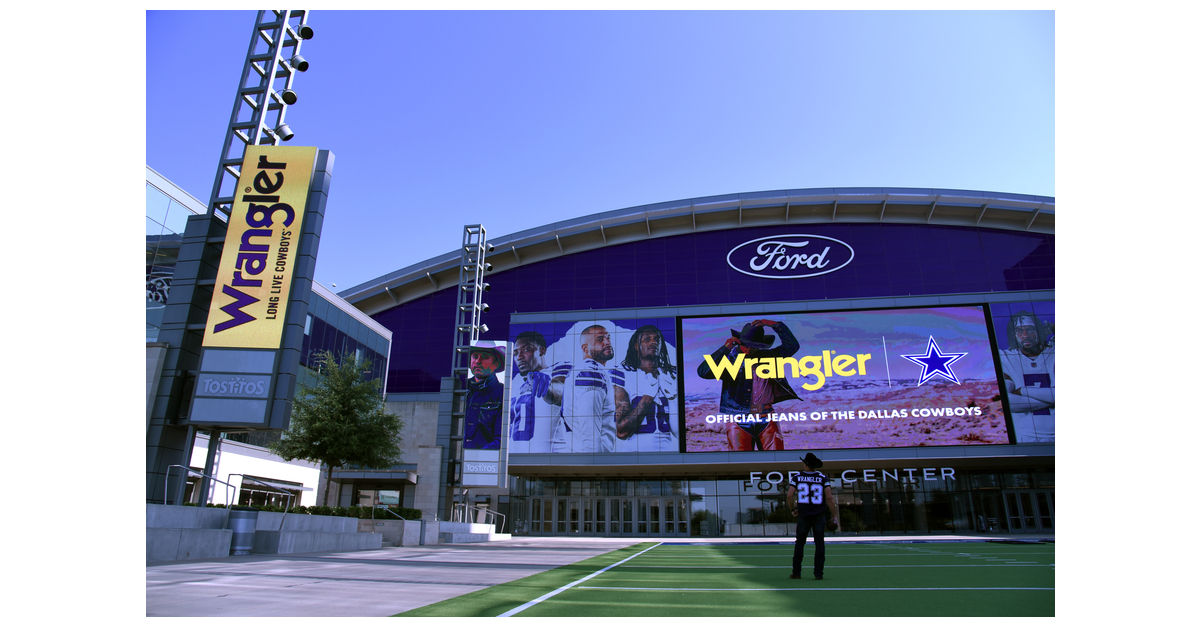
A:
(341, 420)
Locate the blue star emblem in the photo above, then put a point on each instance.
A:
(935, 363)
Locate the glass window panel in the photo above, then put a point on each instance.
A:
(156, 204)
(177, 216)
(1017, 480)
(1044, 511)
(154, 231)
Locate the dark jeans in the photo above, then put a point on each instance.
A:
(805, 524)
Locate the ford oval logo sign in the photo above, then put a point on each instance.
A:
(794, 256)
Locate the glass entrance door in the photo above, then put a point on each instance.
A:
(1029, 511)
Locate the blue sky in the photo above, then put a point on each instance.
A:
(514, 120)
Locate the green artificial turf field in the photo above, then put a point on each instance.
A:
(861, 579)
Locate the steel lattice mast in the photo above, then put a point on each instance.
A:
(263, 95)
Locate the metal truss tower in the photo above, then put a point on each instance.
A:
(263, 96)
(467, 327)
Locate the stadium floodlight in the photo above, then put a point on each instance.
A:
(289, 97)
(305, 31)
(484, 308)
(284, 132)
(483, 328)
(298, 63)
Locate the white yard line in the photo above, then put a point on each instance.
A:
(522, 608)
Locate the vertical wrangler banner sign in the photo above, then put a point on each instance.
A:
(254, 279)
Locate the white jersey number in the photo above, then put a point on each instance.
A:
(813, 493)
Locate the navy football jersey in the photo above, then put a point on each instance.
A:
(810, 492)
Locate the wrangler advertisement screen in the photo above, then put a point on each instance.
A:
(830, 380)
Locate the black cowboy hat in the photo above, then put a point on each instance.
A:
(753, 336)
(811, 461)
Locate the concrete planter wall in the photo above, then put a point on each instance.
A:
(401, 532)
(175, 533)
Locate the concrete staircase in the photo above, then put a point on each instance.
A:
(460, 532)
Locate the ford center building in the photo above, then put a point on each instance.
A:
(668, 365)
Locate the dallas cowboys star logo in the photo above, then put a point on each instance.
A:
(935, 363)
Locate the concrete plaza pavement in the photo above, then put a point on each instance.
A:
(387, 581)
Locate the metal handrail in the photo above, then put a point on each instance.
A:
(272, 489)
(267, 485)
(464, 507)
(199, 474)
(435, 517)
(385, 508)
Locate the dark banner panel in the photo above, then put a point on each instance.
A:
(1025, 343)
(830, 380)
(594, 386)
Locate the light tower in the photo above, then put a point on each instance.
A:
(263, 96)
(467, 327)
(264, 92)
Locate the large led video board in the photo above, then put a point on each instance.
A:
(830, 380)
(594, 386)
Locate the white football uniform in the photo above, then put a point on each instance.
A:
(1033, 408)
(657, 431)
(588, 408)
(533, 419)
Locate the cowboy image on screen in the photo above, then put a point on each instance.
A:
(747, 396)
(485, 396)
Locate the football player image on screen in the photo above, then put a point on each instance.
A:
(485, 396)
(750, 397)
(646, 418)
(1028, 366)
(588, 396)
(534, 409)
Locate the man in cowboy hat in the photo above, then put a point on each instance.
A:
(752, 397)
(809, 497)
(485, 396)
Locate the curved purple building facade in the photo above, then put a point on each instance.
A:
(947, 281)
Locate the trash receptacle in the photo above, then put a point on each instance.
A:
(242, 520)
